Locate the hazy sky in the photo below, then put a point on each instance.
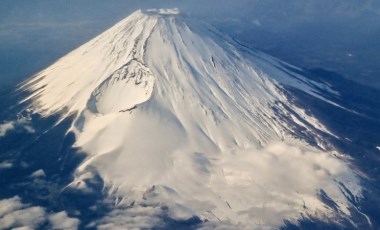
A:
(336, 35)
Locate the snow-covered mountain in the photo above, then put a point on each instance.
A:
(174, 115)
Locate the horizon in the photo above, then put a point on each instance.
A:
(308, 36)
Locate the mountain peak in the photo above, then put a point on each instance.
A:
(161, 12)
(177, 106)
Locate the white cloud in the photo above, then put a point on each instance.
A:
(22, 122)
(38, 174)
(6, 127)
(130, 218)
(6, 165)
(256, 22)
(9, 205)
(17, 215)
(61, 221)
(254, 187)
(29, 129)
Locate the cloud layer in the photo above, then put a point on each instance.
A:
(258, 187)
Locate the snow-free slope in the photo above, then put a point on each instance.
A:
(173, 114)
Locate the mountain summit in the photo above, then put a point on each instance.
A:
(180, 120)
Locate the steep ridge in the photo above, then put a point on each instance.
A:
(172, 114)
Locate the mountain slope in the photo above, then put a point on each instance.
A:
(173, 114)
